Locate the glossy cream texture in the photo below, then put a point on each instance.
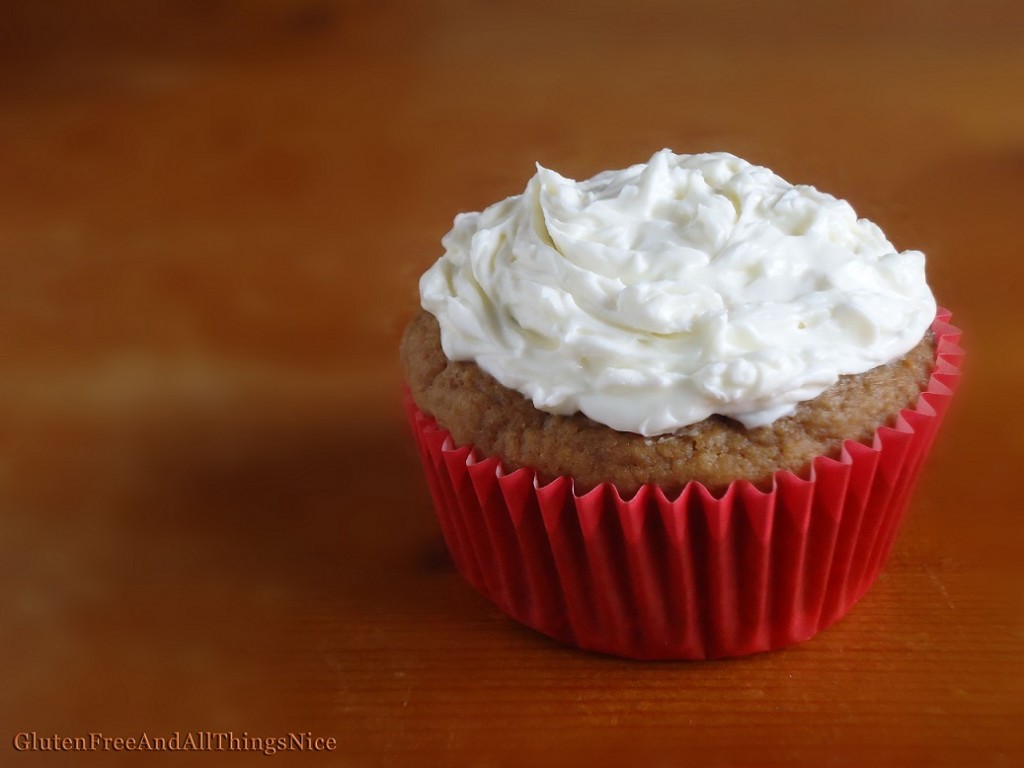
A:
(652, 297)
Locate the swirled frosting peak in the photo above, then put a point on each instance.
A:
(653, 297)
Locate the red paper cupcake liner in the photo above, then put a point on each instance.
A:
(692, 576)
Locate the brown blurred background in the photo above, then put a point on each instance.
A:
(212, 219)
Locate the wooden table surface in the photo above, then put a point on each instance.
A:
(212, 220)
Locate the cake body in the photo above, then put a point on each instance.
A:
(497, 421)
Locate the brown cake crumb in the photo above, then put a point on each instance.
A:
(479, 411)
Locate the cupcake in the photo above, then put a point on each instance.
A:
(674, 411)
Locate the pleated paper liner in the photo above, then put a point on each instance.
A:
(694, 576)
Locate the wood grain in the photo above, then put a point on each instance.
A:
(212, 220)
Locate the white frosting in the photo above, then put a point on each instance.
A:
(652, 297)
